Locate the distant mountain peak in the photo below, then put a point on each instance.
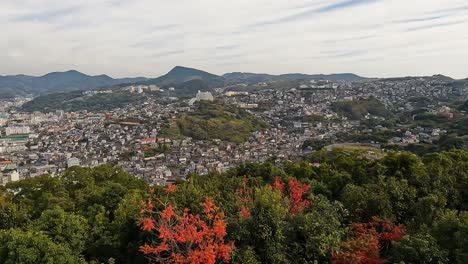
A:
(181, 74)
(178, 67)
(181, 68)
(441, 76)
(73, 71)
(178, 70)
(187, 81)
(65, 74)
(103, 76)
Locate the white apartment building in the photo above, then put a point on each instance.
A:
(16, 130)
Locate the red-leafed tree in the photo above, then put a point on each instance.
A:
(186, 237)
(278, 184)
(295, 193)
(369, 242)
(245, 195)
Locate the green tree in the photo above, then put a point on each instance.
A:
(365, 202)
(313, 235)
(451, 231)
(418, 248)
(63, 228)
(267, 225)
(18, 247)
(12, 216)
(245, 256)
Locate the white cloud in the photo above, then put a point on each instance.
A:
(148, 37)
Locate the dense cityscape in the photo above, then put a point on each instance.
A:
(35, 143)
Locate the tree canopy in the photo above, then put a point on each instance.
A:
(331, 208)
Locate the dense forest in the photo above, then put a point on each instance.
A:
(335, 207)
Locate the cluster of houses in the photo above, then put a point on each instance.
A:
(36, 143)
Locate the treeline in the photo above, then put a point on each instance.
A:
(335, 207)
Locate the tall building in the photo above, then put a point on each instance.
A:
(201, 96)
(154, 88)
(59, 113)
(73, 162)
(16, 130)
(204, 96)
(3, 120)
(140, 89)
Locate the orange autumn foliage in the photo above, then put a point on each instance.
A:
(186, 238)
(278, 184)
(245, 195)
(170, 188)
(369, 243)
(147, 224)
(295, 194)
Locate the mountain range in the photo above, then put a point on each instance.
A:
(180, 75)
(256, 78)
(17, 85)
(186, 81)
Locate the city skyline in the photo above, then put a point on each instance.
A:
(371, 38)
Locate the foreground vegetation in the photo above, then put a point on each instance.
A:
(333, 208)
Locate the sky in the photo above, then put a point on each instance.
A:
(127, 38)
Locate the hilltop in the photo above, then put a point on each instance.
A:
(179, 75)
(357, 109)
(186, 81)
(212, 120)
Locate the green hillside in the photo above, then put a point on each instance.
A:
(77, 101)
(357, 109)
(179, 75)
(216, 121)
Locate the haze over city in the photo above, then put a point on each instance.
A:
(372, 38)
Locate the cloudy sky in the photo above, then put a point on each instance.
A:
(373, 38)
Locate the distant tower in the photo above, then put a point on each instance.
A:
(140, 89)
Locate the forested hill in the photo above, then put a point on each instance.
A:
(79, 101)
(213, 120)
(180, 75)
(359, 108)
(20, 85)
(335, 207)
